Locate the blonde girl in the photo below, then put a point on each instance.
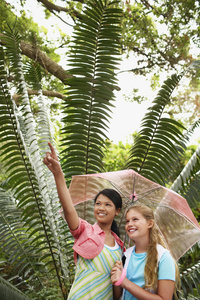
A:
(150, 272)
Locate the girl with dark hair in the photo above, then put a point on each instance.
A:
(96, 247)
(115, 197)
(150, 272)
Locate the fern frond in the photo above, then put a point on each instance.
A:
(21, 155)
(93, 61)
(11, 292)
(159, 141)
(190, 279)
(187, 183)
(14, 240)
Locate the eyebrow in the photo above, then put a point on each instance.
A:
(109, 202)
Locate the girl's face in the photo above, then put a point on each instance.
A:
(137, 226)
(105, 210)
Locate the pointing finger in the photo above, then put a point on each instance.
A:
(51, 148)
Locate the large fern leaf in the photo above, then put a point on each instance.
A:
(159, 141)
(188, 182)
(190, 277)
(93, 60)
(21, 155)
(23, 259)
(10, 292)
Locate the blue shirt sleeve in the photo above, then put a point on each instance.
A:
(166, 268)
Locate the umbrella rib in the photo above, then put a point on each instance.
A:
(146, 193)
(119, 191)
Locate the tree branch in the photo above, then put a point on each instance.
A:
(52, 8)
(44, 92)
(40, 57)
(47, 63)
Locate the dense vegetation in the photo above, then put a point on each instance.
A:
(35, 244)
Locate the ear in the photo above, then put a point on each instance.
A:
(117, 211)
(151, 222)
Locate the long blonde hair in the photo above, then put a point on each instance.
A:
(151, 266)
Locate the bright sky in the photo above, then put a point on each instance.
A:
(126, 116)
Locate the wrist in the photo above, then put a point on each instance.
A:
(58, 173)
(123, 275)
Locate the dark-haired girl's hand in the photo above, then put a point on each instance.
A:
(51, 160)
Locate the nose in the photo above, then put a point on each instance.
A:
(102, 207)
(130, 223)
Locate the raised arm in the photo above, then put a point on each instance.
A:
(52, 162)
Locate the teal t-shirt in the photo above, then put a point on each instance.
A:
(135, 271)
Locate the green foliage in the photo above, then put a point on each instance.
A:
(36, 238)
(191, 186)
(115, 156)
(187, 182)
(189, 266)
(159, 136)
(27, 28)
(93, 60)
(160, 33)
(186, 100)
(10, 292)
(135, 97)
(41, 263)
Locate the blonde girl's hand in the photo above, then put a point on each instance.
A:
(51, 160)
(116, 272)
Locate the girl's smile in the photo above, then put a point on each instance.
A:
(104, 209)
(136, 225)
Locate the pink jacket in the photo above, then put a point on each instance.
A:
(89, 240)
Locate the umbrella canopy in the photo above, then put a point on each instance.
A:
(173, 215)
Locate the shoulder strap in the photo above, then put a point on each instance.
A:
(128, 255)
(161, 250)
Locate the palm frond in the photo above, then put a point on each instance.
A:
(93, 62)
(160, 139)
(14, 239)
(190, 279)
(187, 183)
(190, 131)
(192, 192)
(21, 155)
(10, 291)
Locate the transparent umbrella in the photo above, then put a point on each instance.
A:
(173, 215)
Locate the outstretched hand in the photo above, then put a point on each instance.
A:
(51, 160)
